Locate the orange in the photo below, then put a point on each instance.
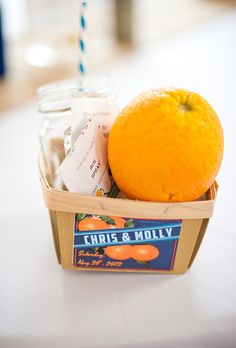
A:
(90, 223)
(144, 252)
(166, 145)
(118, 252)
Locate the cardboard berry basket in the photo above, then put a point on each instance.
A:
(113, 234)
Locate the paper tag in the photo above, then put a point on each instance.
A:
(85, 170)
(104, 110)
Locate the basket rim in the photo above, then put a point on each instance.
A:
(65, 201)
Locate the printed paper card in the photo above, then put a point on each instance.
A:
(103, 110)
(111, 242)
(85, 170)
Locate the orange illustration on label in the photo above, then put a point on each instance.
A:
(136, 252)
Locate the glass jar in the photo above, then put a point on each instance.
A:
(55, 101)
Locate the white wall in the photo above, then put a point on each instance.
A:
(42, 19)
(15, 15)
(157, 18)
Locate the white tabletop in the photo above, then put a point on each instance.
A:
(42, 305)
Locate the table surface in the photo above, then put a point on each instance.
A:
(43, 305)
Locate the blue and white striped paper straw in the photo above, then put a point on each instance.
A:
(82, 41)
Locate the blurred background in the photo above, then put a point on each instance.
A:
(39, 38)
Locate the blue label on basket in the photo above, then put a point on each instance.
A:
(124, 243)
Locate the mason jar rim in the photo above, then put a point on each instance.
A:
(68, 85)
(57, 95)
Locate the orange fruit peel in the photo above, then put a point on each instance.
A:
(166, 146)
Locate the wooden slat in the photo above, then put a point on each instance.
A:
(65, 201)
